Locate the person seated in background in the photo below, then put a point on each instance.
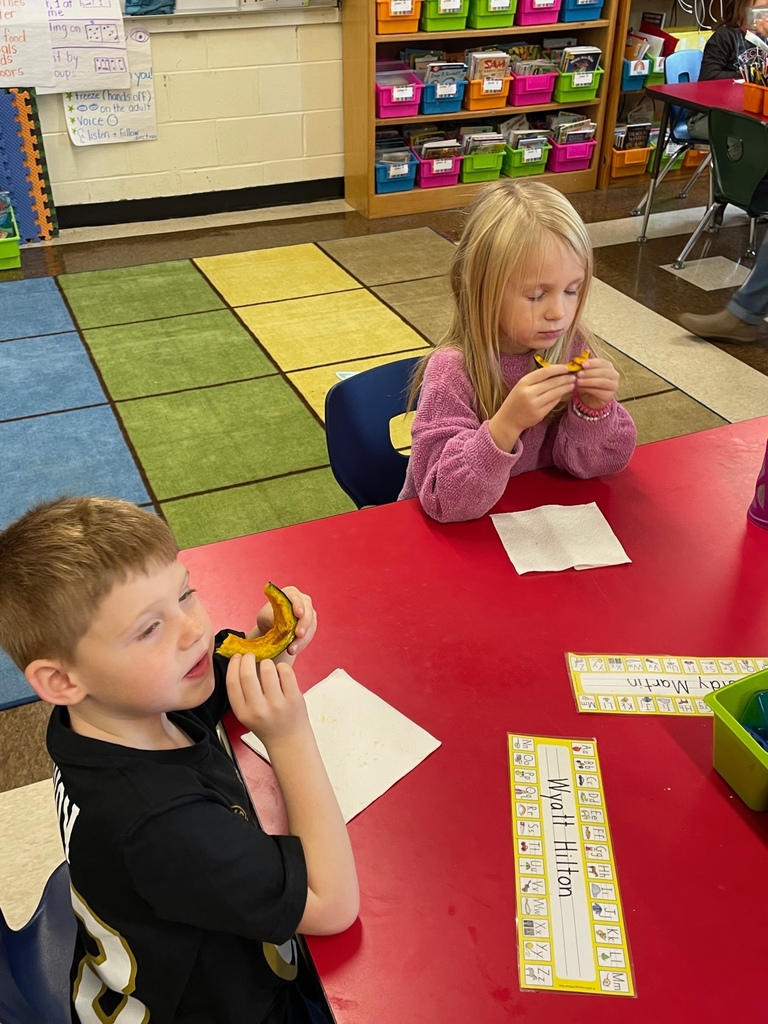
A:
(741, 319)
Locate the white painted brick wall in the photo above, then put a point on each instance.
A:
(236, 107)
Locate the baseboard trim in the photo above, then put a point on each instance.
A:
(198, 204)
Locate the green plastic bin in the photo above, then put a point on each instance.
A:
(514, 164)
(568, 92)
(10, 256)
(491, 13)
(740, 760)
(454, 19)
(481, 167)
(677, 160)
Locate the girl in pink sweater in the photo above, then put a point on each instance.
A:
(486, 411)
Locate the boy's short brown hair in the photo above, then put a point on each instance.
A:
(60, 560)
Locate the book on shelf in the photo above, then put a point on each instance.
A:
(445, 72)
(542, 66)
(566, 128)
(416, 59)
(632, 136)
(484, 142)
(488, 64)
(553, 46)
(580, 58)
(523, 51)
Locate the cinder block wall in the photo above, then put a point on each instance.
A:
(236, 107)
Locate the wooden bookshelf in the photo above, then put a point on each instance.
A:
(362, 46)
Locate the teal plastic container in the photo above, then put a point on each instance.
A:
(514, 164)
(566, 91)
(454, 19)
(481, 167)
(491, 13)
(740, 760)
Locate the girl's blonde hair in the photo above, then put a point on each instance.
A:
(508, 227)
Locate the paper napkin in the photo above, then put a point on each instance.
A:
(555, 537)
(366, 745)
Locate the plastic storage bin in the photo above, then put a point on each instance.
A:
(491, 13)
(634, 74)
(443, 15)
(656, 74)
(10, 255)
(694, 157)
(481, 167)
(740, 760)
(677, 160)
(519, 163)
(437, 172)
(396, 177)
(574, 156)
(526, 90)
(755, 98)
(442, 99)
(577, 86)
(397, 16)
(537, 12)
(626, 162)
(398, 93)
(581, 10)
(480, 96)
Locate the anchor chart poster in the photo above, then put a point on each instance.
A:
(571, 933)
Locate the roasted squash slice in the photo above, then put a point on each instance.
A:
(573, 367)
(281, 634)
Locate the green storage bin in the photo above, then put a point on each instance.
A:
(10, 256)
(514, 164)
(677, 160)
(435, 20)
(486, 14)
(481, 167)
(655, 78)
(740, 760)
(567, 92)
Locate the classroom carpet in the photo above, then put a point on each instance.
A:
(196, 387)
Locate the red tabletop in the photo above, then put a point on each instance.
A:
(726, 95)
(436, 621)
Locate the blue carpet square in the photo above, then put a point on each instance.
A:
(46, 374)
(32, 307)
(79, 452)
(14, 688)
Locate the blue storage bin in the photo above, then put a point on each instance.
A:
(631, 82)
(389, 177)
(581, 10)
(431, 103)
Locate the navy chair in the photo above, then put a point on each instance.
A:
(35, 960)
(358, 411)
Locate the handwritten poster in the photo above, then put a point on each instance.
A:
(25, 45)
(117, 115)
(571, 934)
(630, 684)
(87, 41)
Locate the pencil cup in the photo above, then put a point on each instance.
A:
(757, 511)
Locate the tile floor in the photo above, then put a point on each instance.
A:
(200, 355)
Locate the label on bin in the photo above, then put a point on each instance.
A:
(397, 170)
(543, 3)
(583, 77)
(443, 164)
(531, 154)
(448, 6)
(400, 6)
(499, 5)
(445, 89)
(402, 92)
(493, 84)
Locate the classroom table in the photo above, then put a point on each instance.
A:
(693, 96)
(435, 620)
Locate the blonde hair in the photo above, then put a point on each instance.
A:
(60, 560)
(508, 226)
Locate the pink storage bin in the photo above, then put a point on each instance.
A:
(537, 12)
(527, 90)
(438, 172)
(574, 157)
(395, 98)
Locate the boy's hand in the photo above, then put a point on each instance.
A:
(266, 700)
(597, 383)
(304, 612)
(530, 400)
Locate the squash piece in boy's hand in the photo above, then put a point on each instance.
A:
(281, 634)
(576, 364)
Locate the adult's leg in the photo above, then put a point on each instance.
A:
(750, 303)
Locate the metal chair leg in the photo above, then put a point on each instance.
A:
(751, 250)
(637, 210)
(695, 176)
(680, 261)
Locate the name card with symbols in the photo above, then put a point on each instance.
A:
(571, 934)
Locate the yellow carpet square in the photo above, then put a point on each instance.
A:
(268, 275)
(327, 329)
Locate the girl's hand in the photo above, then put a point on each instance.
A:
(304, 612)
(267, 700)
(530, 400)
(597, 383)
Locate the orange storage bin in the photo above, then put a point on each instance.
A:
(626, 162)
(485, 94)
(755, 98)
(694, 157)
(397, 16)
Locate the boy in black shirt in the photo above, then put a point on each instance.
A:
(186, 908)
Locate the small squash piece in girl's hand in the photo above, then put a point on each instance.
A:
(280, 635)
(574, 366)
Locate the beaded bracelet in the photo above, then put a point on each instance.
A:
(585, 413)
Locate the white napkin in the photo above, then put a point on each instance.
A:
(366, 745)
(555, 537)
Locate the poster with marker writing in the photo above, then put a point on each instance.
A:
(26, 59)
(87, 41)
(117, 115)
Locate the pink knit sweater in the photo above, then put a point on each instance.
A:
(455, 468)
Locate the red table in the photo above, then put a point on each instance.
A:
(436, 621)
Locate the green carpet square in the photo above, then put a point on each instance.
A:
(100, 298)
(213, 437)
(170, 355)
(220, 515)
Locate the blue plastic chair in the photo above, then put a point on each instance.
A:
(35, 960)
(358, 411)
